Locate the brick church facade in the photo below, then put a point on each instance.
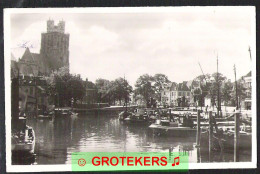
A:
(54, 52)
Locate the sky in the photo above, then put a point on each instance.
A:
(110, 44)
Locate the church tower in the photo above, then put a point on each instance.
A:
(54, 47)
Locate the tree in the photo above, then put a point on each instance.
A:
(121, 90)
(241, 92)
(91, 92)
(103, 87)
(201, 88)
(216, 84)
(111, 91)
(160, 80)
(144, 87)
(197, 94)
(227, 92)
(64, 87)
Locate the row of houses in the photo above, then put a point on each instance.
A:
(247, 81)
(183, 94)
(177, 94)
(32, 87)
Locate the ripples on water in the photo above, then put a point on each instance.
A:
(57, 139)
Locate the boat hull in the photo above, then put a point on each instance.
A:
(26, 146)
(173, 131)
(23, 147)
(227, 141)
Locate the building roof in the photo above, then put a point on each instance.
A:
(248, 74)
(173, 86)
(27, 56)
(179, 86)
(193, 84)
(183, 86)
(33, 63)
(13, 57)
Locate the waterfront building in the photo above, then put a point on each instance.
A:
(32, 93)
(176, 94)
(246, 81)
(31, 67)
(165, 94)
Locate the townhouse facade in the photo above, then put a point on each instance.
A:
(176, 94)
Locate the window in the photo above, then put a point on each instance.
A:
(180, 93)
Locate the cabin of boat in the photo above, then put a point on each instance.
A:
(173, 126)
(139, 115)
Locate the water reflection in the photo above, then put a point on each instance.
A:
(57, 139)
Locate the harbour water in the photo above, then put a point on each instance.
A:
(57, 139)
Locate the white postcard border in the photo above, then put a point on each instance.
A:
(7, 65)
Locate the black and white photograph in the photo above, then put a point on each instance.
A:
(143, 79)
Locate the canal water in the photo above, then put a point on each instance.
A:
(57, 139)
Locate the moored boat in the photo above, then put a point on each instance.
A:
(172, 130)
(23, 141)
(123, 115)
(138, 116)
(48, 115)
(174, 126)
(65, 112)
(225, 139)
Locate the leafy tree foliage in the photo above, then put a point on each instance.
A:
(218, 80)
(144, 87)
(226, 94)
(64, 87)
(111, 91)
(199, 93)
(103, 86)
(160, 80)
(241, 93)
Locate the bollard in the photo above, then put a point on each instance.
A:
(210, 134)
(236, 137)
(198, 129)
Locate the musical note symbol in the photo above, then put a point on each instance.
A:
(178, 162)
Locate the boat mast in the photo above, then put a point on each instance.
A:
(125, 92)
(200, 84)
(236, 87)
(219, 105)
